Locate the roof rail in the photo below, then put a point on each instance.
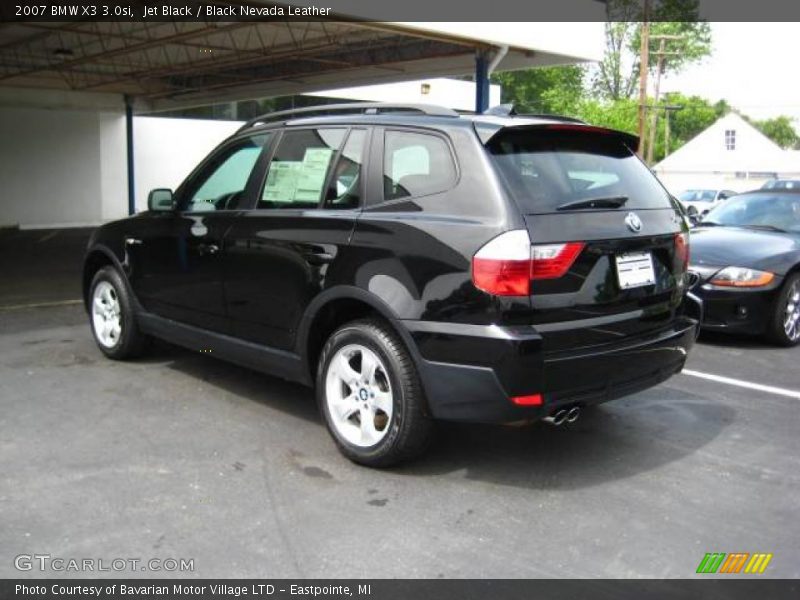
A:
(508, 110)
(366, 108)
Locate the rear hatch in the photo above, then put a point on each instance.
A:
(609, 248)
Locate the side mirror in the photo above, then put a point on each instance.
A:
(695, 219)
(160, 200)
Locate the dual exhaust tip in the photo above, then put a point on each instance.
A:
(564, 415)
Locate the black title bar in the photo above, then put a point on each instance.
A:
(392, 10)
(402, 589)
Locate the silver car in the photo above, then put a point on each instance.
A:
(699, 202)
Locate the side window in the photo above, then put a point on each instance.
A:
(416, 164)
(345, 183)
(299, 167)
(220, 186)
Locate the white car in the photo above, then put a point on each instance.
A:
(699, 202)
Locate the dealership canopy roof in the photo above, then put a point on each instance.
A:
(173, 64)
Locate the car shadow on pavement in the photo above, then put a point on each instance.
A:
(614, 441)
(274, 392)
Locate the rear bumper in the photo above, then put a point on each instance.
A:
(470, 372)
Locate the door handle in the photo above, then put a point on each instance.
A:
(133, 242)
(204, 249)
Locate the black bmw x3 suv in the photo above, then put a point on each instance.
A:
(412, 264)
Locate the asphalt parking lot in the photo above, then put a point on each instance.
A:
(179, 455)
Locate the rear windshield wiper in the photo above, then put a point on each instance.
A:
(610, 202)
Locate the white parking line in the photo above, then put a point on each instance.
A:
(745, 384)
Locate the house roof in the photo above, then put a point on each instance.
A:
(709, 152)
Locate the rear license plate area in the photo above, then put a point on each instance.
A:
(635, 269)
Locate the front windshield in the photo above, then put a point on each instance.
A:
(766, 211)
(697, 196)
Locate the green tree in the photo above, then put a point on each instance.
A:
(619, 114)
(693, 116)
(551, 90)
(617, 74)
(780, 131)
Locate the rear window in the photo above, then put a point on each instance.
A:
(545, 169)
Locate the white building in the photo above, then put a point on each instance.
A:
(730, 154)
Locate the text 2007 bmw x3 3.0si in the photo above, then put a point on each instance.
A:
(411, 264)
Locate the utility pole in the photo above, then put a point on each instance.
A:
(667, 110)
(661, 54)
(644, 56)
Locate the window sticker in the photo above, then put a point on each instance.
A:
(298, 181)
(281, 181)
(311, 175)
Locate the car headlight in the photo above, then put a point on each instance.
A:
(742, 277)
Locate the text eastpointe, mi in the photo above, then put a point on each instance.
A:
(233, 10)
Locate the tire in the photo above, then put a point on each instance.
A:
(398, 428)
(786, 313)
(111, 304)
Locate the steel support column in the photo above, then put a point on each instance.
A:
(129, 148)
(481, 82)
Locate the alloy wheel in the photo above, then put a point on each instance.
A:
(106, 314)
(359, 397)
(791, 314)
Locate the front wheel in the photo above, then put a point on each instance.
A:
(784, 328)
(370, 395)
(112, 316)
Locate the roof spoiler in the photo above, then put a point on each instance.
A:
(487, 130)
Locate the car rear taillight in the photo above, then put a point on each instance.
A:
(682, 250)
(507, 264)
(552, 261)
(502, 267)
